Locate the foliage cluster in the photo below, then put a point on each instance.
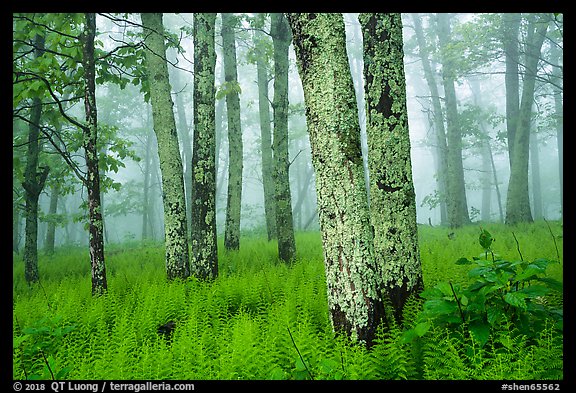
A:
(260, 319)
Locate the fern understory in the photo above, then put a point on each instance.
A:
(261, 319)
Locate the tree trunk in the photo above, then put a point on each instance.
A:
(92, 181)
(177, 259)
(441, 148)
(33, 183)
(235, 148)
(392, 196)
(556, 54)
(535, 172)
(184, 137)
(265, 136)
(281, 38)
(204, 263)
(52, 210)
(518, 198)
(146, 191)
(332, 119)
(456, 192)
(510, 29)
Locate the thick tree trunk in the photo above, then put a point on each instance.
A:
(280, 32)
(556, 54)
(535, 172)
(92, 183)
(265, 136)
(518, 198)
(441, 148)
(332, 119)
(392, 196)
(177, 259)
(146, 233)
(235, 148)
(204, 263)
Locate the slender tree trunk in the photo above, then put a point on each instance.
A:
(177, 259)
(332, 119)
(441, 148)
(184, 137)
(392, 196)
(90, 138)
(518, 198)
(510, 29)
(556, 54)
(496, 186)
(281, 38)
(204, 263)
(33, 183)
(535, 172)
(456, 196)
(146, 190)
(16, 219)
(52, 210)
(235, 148)
(265, 135)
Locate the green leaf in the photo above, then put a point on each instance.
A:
(534, 291)
(463, 261)
(494, 314)
(551, 283)
(440, 306)
(516, 299)
(422, 328)
(485, 239)
(480, 330)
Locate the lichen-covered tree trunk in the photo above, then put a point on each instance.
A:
(33, 183)
(92, 181)
(510, 29)
(535, 175)
(332, 121)
(392, 197)
(518, 197)
(457, 206)
(441, 147)
(265, 135)
(235, 148)
(177, 259)
(204, 261)
(281, 38)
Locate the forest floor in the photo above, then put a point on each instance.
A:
(263, 319)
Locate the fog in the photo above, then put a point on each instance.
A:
(126, 112)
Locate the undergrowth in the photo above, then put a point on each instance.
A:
(261, 318)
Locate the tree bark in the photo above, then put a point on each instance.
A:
(52, 210)
(510, 29)
(392, 196)
(281, 38)
(33, 183)
(204, 263)
(332, 120)
(441, 148)
(265, 136)
(235, 148)
(456, 192)
(92, 181)
(177, 259)
(518, 198)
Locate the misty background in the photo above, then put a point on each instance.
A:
(126, 111)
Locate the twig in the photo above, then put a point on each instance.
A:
(297, 350)
(553, 238)
(458, 303)
(47, 365)
(518, 246)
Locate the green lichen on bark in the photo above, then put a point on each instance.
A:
(235, 147)
(92, 181)
(204, 259)
(332, 120)
(280, 32)
(392, 197)
(177, 260)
